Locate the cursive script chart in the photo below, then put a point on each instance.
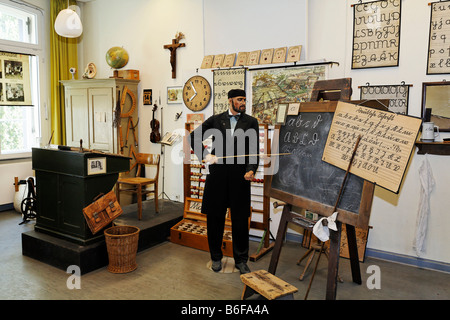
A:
(385, 148)
(376, 34)
(397, 95)
(224, 81)
(439, 42)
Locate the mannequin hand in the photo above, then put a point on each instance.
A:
(249, 176)
(211, 159)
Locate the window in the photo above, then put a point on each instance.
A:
(17, 25)
(19, 116)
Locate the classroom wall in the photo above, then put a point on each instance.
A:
(144, 26)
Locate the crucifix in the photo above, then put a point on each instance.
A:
(173, 55)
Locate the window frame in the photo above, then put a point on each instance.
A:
(38, 79)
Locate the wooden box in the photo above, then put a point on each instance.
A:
(191, 231)
(129, 74)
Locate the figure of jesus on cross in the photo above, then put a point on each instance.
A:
(173, 55)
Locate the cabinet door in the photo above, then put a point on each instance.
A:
(101, 113)
(77, 126)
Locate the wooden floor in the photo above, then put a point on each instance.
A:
(172, 272)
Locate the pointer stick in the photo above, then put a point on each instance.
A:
(252, 155)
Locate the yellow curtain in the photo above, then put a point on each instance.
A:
(64, 56)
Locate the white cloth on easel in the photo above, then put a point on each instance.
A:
(322, 232)
(427, 184)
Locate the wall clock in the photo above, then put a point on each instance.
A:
(196, 93)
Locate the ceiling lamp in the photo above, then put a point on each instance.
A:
(68, 24)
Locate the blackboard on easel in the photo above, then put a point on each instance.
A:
(304, 180)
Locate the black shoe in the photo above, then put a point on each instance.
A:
(243, 268)
(216, 266)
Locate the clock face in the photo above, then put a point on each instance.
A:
(196, 93)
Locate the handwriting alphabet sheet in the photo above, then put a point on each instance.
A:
(439, 42)
(376, 34)
(387, 141)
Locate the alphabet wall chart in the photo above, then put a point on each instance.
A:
(376, 34)
(397, 95)
(439, 42)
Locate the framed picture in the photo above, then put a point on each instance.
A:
(279, 55)
(369, 51)
(438, 38)
(174, 95)
(96, 166)
(147, 97)
(282, 113)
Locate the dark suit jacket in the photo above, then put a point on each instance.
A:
(225, 186)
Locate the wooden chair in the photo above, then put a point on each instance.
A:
(138, 185)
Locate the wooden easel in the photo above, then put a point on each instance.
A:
(341, 89)
(333, 90)
(265, 245)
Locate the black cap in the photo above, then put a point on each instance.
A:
(236, 93)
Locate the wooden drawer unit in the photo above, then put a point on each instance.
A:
(191, 231)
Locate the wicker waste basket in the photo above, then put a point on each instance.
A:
(122, 244)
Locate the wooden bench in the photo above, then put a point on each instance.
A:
(267, 285)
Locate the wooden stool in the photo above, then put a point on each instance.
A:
(267, 285)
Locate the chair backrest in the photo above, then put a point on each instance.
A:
(149, 159)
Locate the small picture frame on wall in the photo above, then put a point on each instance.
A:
(174, 95)
(147, 97)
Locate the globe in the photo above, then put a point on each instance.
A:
(117, 57)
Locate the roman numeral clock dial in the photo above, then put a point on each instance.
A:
(196, 93)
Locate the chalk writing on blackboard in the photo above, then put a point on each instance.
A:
(439, 41)
(385, 148)
(376, 34)
(303, 173)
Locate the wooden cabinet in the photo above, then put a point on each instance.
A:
(90, 112)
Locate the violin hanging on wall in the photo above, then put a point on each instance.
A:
(155, 136)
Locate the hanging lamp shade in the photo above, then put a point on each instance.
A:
(68, 24)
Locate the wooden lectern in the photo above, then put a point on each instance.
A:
(66, 182)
